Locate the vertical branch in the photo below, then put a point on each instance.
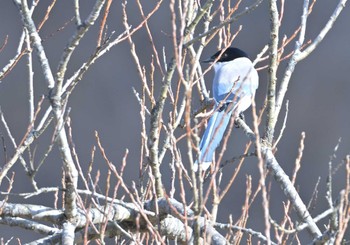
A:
(12, 62)
(262, 171)
(202, 11)
(344, 207)
(77, 12)
(157, 110)
(197, 188)
(156, 115)
(298, 56)
(30, 80)
(150, 34)
(272, 71)
(293, 60)
(324, 31)
(30, 95)
(103, 22)
(71, 173)
(36, 40)
(74, 42)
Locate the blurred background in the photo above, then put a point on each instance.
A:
(104, 101)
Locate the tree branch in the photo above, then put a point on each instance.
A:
(284, 182)
(224, 23)
(272, 72)
(156, 115)
(298, 55)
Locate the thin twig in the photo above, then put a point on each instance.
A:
(284, 182)
(229, 21)
(298, 55)
(283, 126)
(248, 231)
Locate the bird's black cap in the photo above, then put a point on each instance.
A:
(228, 55)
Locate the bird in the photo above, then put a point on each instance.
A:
(234, 85)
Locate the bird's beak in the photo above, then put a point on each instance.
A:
(210, 60)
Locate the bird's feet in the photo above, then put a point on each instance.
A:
(241, 116)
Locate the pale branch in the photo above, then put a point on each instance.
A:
(172, 225)
(19, 52)
(116, 212)
(71, 172)
(34, 212)
(247, 231)
(30, 80)
(224, 23)
(156, 115)
(5, 43)
(12, 62)
(30, 138)
(71, 83)
(263, 173)
(283, 126)
(37, 42)
(28, 225)
(175, 229)
(112, 229)
(103, 49)
(200, 14)
(323, 32)
(12, 139)
(96, 195)
(181, 111)
(298, 55)
(303, 226)
(53, 239)
(283, 180)
(303, 22)
(77, 13)
(29, 171)
(272, 73)
(67, 236)
(290, 191)
(171, 129)
(171, 206)
(334, 220)
(74, 42)
(27, 195)
(78, 75)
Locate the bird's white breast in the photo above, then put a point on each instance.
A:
(238, 77)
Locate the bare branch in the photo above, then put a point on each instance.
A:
(35, 38)
(156, 114)
(244, 230)
(323, 32)
(284, 182)
(272, 71)
(227, 22)
(28, 225)
(298, 55)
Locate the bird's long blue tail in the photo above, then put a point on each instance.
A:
(212, 137)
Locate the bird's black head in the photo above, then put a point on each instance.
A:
(228, 55)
